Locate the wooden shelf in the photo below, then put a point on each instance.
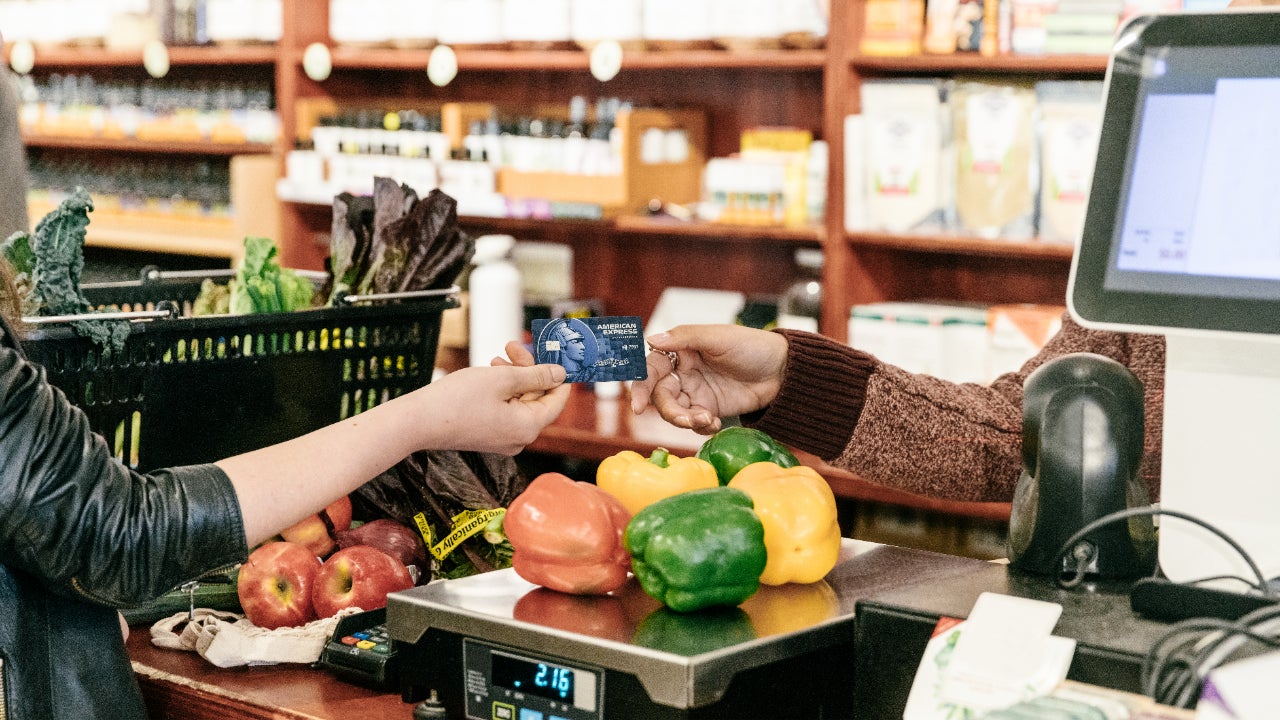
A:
(639, 225)
(593, 429)
(973, 62)
(963, 245)
(69, 142)
(809, 234)
(577, 60)
(155, 232)
(84, 57)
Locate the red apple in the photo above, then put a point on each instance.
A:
(358, 576)
(317, 531)
(275, 585)
(339, 512)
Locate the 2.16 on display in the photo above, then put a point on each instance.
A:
(534, 678)
(506, 683)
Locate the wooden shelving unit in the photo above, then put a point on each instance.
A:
(157, 232)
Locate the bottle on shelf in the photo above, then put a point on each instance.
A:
(800, 307)
(496, 295)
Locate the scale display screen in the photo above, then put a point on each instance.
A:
(503, 682)
(533, 678)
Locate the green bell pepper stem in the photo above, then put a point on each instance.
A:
(660, 457)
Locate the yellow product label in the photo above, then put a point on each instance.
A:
(465, 524)
(424, 528)
(776, 139)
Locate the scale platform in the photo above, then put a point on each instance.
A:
(494, 647)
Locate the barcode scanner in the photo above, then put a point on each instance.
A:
(1082, 437)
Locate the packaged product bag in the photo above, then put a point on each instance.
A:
(1070, 124)
(995, 150)
(904, 128)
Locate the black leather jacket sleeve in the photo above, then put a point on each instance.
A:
(83, 523)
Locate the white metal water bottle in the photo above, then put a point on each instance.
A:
(497, 299)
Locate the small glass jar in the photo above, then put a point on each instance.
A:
(749, 24)
(360, 23)
(537, 24)
(678, 24)
(800, 306)
(596, 20)
(471, 24)
(414, 23)
(805, 26)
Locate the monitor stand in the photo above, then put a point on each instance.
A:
(1221, 457)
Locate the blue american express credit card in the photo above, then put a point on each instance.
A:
(592, 349)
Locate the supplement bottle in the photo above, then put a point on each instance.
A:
(497, 299)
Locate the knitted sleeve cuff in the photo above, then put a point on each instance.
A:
(823, 391)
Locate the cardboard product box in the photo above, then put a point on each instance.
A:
(1016, 332)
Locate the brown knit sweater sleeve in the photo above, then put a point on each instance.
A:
(959, 441)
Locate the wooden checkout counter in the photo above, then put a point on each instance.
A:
(903, 593)
(180, 685)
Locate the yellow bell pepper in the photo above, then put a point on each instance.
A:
(637, 481)
(798, 510)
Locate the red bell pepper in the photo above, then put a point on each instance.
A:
(567, 536)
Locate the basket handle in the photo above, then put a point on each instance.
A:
(152, 273)
(405, 295)
(164, 310)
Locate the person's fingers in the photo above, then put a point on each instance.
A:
(550, 403)
(536, 380)
(519, 354)
(671, 402)
(520, 380)
(658, 365)
(697, 339)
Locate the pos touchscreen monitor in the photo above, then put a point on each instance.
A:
(1182, 238)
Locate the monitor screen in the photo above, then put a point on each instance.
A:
(1182, 239)
(1183, 227)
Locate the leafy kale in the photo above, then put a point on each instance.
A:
(49, 263)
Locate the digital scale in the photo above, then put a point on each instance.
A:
(494, 647)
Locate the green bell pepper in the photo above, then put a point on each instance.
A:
(702, 548)
(734, 448)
